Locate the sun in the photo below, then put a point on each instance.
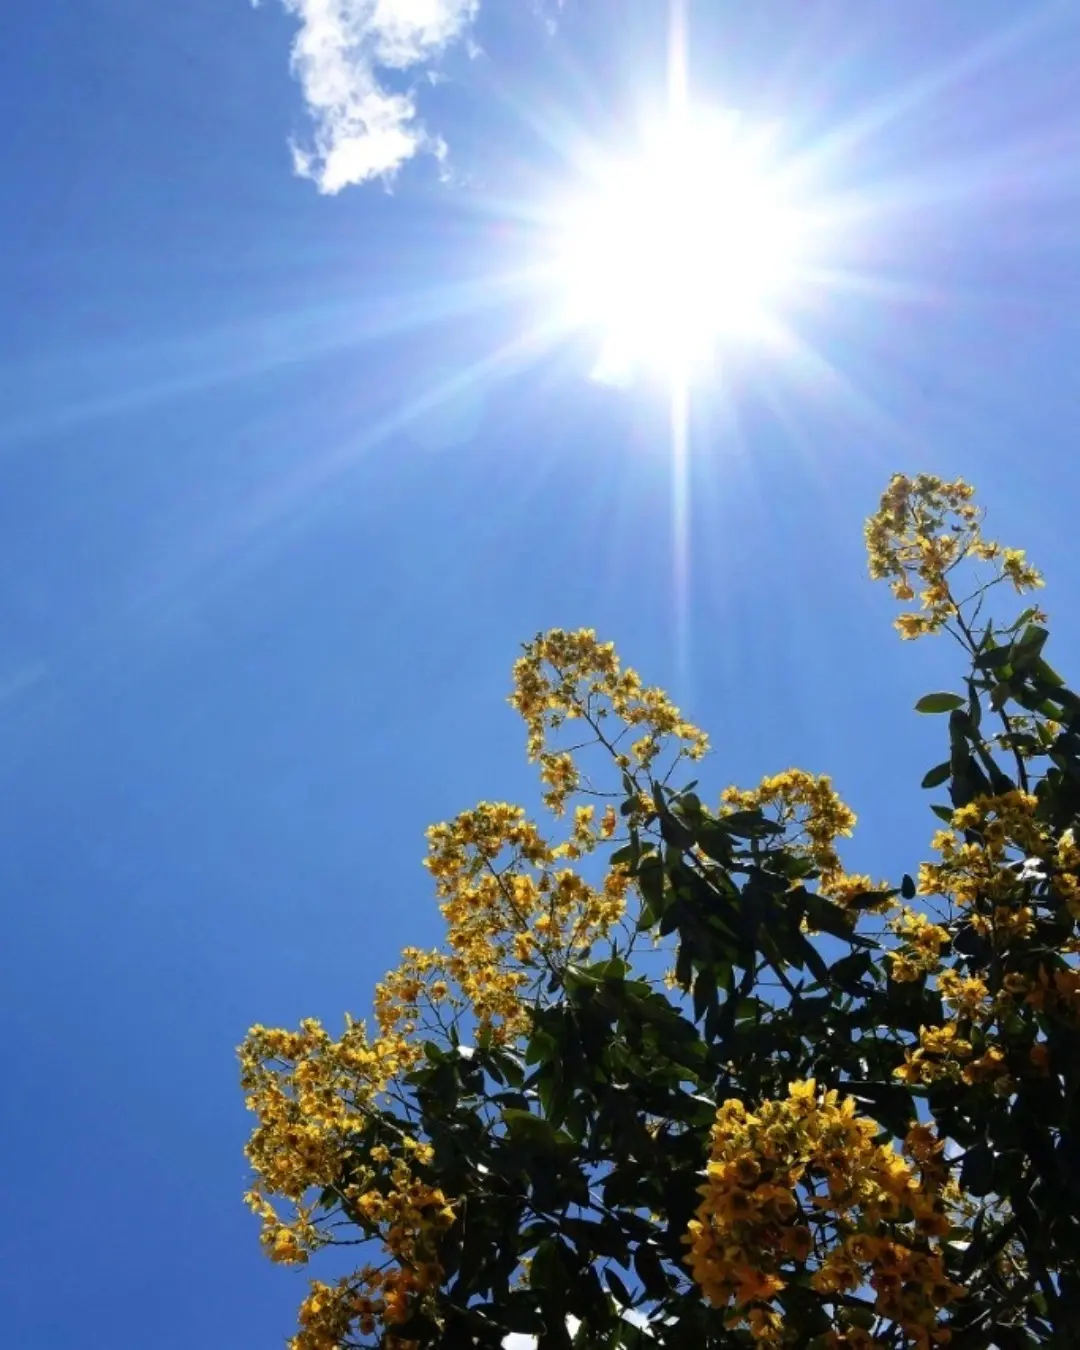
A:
(687, 245)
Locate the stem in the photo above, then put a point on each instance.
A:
(972, 646)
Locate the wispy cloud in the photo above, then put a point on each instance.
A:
(341, 57)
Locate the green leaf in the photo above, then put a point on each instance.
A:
(848, 972)
(619, 1289)
(650, 1272)
(977, 1170)
(1022, 619)
(974, 704)
(827, 916)
(937, 775)
(517, 1314)
(907, 887)
(527, 1128)
(542, 1048)
(673, 830)
(939, 703)
(704, 993)
(671, 918)
(813, 958)
(546, 1267)
(714, 841)
(650, 880)
(891, 1103)
(749, 825)
(866, 900)
(1038, 702)
(610, 968)
(1057, 694)
(1047, 674)
(510, 1066)
(994, 658)
(1028, 647)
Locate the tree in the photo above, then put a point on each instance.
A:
(846, 1117)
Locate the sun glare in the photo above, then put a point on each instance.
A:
(684, 247)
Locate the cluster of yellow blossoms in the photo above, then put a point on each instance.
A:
(512, 912)
(948, 1051)
(984, 855)
(802, 1183)
(800, 1187)
(568, 676)
(923, 528)
(407, 1215)
(312, 1096)
(994, 851)
(311, 1093)
(945, 1052)
(810, 808)
(515, 911)
(921, 946)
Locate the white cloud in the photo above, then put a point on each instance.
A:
(542, 9)
(363, 129)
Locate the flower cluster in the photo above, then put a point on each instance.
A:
(802, 1183)
(810, 808)
(404, 995)
(329, 1313)
(384, 1196)
(511, 910)
(942, 1052)
(311, 1094)
(514, 911)
(313, 1097)
(923, 529)
(1000, 864)
(1054, 991)
(408, 1216)
(567, 676)
(921, 946)
(983, 1039)
(967, 995)
(986, 860)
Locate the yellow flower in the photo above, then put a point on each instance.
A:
(285, 1247)
(766, 1326)
(564, 675)
(1015, 566)
(752, 1285)
(967, 994)
(924, 528)
(903, 969)
(810, 806)
(986, 1068)
(878, 1221)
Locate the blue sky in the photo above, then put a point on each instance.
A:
(286, 476)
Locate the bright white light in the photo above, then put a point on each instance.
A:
(687, 246)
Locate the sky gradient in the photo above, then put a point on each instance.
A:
(287, 474)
